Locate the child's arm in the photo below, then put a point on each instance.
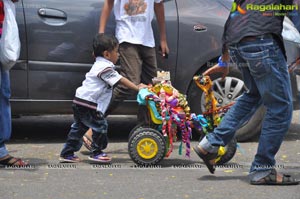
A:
(126, 82)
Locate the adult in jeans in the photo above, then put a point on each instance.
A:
(256, 47)
(137, 46)
(5, 113)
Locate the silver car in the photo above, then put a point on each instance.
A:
(56, 38)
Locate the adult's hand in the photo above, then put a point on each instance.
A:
(217, 69)
(164, 48)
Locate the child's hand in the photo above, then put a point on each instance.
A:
(141, 85)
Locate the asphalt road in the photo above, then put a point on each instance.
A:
(40, 139)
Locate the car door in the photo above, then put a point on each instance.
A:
(200, 31)
(59, 35)
(171, 18)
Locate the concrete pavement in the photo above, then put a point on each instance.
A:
(175, 177)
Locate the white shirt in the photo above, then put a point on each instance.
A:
(133, 21)
(96, 89)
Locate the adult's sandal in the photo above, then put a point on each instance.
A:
(12, 161)
(207, 159)
(272, 179)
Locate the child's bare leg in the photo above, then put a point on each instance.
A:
(87, 139)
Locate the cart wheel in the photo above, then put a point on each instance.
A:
(146, 146)
(227, 152)
(141, 125)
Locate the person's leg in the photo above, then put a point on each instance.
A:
(149, 70)
(238, 114)
(131, 68)
(99, 126)
(273, 81)
(87, 139)
(5, 114)
(5, 121)
(268, 68)
(149, 67)
(74, 140)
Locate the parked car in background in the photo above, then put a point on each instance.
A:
(56, 38)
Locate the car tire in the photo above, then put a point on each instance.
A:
(195, 98)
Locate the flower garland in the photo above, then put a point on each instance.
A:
(175, 114)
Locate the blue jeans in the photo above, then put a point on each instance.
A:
(5, 114)
(265, 74)
(85, 118)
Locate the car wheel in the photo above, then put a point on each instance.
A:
(225, 92)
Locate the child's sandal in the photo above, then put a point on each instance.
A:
(102, 157)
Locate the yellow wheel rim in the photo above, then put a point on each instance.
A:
(221, 152)
(147, 148)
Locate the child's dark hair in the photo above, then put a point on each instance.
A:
(104, 42)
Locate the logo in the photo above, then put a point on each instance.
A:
(273, 9)
(265, 10)
(237, 10)
(135, 7)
